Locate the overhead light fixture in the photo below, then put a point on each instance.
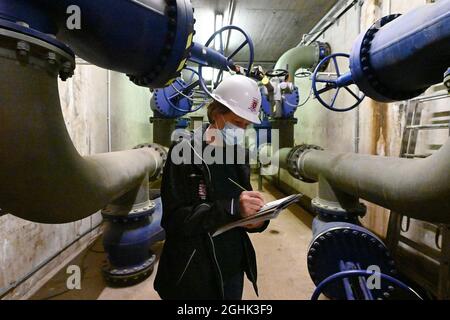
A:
(219, 21)
(218, 26)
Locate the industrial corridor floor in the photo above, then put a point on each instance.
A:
(281, 255)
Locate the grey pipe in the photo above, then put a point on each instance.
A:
(43, 177)
(416, 188)
(307, 57)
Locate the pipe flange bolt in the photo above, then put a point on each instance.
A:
(293, 157)
(36, 53)
(351, 243)
(118, 214)
(323, 50)
(176, 14)
(127, 276)
(162, 153)
(333, 211)
(447, 79)
(367, 67)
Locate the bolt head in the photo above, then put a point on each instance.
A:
(23, 46)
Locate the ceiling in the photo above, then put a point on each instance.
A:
(274, 26)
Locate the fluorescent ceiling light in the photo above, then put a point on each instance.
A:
(219, 21)
(218, 26)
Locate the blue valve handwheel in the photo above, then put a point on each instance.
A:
(341, 82)
(179, 86)
(358, 273)
(247, 42)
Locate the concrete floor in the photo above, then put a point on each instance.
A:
(281, 254)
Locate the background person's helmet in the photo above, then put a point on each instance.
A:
(241, 95)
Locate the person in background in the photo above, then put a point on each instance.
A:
(200, 196)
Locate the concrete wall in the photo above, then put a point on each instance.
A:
(130, 113)
(25, 246)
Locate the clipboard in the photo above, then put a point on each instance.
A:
(269, 211)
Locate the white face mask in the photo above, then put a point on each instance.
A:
(232, 134)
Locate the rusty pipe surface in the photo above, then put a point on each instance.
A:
(42, 176)
(419, 189)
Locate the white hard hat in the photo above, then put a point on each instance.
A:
(241, 95)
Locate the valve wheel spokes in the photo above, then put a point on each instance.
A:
(187, 86)
(342, 275)
(277, 73)
(247, 42)
(219, 78)
(186, 90)
(235, 52)
(334, 84)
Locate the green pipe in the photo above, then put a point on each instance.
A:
(419, 189)
(306, 57)
(43, 177)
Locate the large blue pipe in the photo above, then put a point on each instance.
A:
(405, 56)
(341, 243)
(149, 40)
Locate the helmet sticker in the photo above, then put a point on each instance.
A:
(253, 105)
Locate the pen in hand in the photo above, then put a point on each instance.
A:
(250, 201)
(237, 184)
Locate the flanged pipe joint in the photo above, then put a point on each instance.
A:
(149, 40)
(128, 239)
(130, 232)
(48, 181)
(447, 79)
(415, 188)
(340, 244)
(417, 42)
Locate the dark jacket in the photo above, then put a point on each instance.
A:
(188, 267)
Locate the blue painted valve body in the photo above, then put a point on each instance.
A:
(289, 104)
(127, 241)
(149, 40)
(345, 259)
(416, 43)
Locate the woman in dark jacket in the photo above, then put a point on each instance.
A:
(200, 193)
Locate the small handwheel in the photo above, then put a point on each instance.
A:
(303, 74)
(247, 42)
(185, 90)
(277, 73)
(338, 82)
(361, 273)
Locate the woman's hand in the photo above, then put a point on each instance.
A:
(250, 202)
(254, 225)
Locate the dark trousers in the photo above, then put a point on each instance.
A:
(234, 286)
